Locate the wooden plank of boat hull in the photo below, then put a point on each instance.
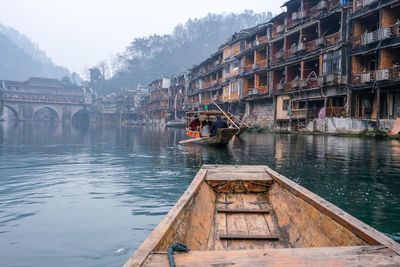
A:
(256, 223)
(236, 223)
(201, 219)
(242, 210)
(167, 224)
(236, 168)
(364, 231)
(328, 256)
(241, 176)
(249, 237)
(220, 224)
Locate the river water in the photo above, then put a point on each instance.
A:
(89, 197)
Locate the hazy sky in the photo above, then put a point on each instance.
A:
(79, 33)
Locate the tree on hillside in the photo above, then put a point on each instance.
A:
(148, 58)
(66, 81)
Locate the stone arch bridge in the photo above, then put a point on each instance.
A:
(25, 99)
(27, 110)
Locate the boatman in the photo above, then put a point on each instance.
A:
(217, 125)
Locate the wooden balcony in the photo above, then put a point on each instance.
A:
(333, 38)
(299, 113)
(261, 63)
(375, 36)
(378, 75)
(263, 39)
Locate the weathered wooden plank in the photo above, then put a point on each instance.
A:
(249, 237)
(364, 231)
(171, 219)
(332, 256)
(238, 176)
(224, 210)
(220, 224)
(201, 218)
(236, 223)
(235, 168)
(240, 186)
(256, 223)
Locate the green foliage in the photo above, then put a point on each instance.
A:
(151, 57)
(66, 81)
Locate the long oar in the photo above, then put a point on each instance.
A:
(229, 118)
(192, 140)
(241, 121)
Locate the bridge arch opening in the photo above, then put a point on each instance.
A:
(80, 119)
(46, 114)
(9, 113)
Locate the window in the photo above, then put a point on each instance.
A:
(331, 62)
(234, 87)
(285, 104)
(235, 66)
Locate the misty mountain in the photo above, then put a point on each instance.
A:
(21, 58)
(151, 57)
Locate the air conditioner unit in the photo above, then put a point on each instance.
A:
(320, 42)
(301, 14)
(252, 92)
(385, 33)
(302, 83)
(256, 42)
(383, 74)
(295, 83)
(321, 80)
(280, 28)
(369, 2)
(365, 77)
(323, 5)
(301, 47)
(279, 55)
(293, 48)
(294, 16)
(332, 79)
(368, 38)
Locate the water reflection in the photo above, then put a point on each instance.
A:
(85, 194)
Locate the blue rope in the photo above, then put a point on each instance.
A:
(179, 247)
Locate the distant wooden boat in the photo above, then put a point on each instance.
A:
(253, 216)
(222, 138)
(203, 117)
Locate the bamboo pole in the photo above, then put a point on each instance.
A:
(229, 118)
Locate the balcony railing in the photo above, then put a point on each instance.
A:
(360, 4)
(378, 75)
(333, 38)
(262, 89)
(261, 63)
(375, 36)
(263, 39)
(299, 113)
(278, 30)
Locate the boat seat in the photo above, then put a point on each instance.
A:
(331, 256)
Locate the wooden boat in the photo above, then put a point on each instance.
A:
(253, 216)
(223, 135)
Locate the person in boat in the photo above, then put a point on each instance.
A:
(194, 124)
(217, 125)
(205, 130)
